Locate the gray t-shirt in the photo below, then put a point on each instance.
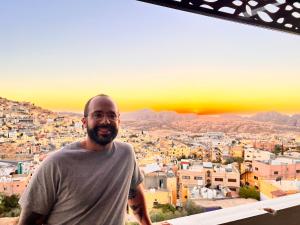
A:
(79, 186)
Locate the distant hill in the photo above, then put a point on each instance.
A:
(163, 116)
(277, 118)
(21, 107)
(171, 116)
(268, 122)
(71, 114)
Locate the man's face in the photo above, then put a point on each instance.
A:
(102, 122)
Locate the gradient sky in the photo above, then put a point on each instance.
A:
(59, 53)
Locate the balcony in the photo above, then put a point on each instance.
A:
(286, 212)
(280, 211)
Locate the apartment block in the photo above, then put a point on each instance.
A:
(209, 175)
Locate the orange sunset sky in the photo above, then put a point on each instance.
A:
(58, 56)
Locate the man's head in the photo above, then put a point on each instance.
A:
(101, 119)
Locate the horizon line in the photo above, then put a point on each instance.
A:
(182, 112)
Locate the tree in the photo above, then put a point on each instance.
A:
(166, 208)
(157, 216)
(238, 159)
(249, 192)
(9, 206)
(192, 208)
(228, 161)
(218, 160)
(163, 212)
(277, 149)
(132, 223)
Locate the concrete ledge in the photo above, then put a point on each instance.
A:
(284, 210)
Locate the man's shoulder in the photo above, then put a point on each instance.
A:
(123, 146)
(71, 146)
(62, 152)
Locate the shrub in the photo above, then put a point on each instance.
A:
(249, 192)
(191, 208)
(9, 206)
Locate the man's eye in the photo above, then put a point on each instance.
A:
(112, 116)
(98, 115)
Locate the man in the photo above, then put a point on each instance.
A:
(87, 182)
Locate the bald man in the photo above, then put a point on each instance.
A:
(88, 182)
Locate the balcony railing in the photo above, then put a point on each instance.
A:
(280, 211)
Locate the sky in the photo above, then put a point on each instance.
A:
(59, 53)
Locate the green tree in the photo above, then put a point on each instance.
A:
(228, 161)
(9, 206)
(163, 212)
(157, 216)
(218, 160)
(277, 149)
(132, 223)
(238, 159)
(191, 208)
(166, 208)
(249, 192)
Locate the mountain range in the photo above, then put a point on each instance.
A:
(171, 116)
(148, 119)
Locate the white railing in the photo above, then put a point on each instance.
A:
(280, 211)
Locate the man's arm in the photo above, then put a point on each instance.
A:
(136, 201)
(40, 196)
(31, 218)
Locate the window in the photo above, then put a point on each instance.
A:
(208, 173)
(161, 183)
(231, 180)
(186, 177)
(197, 178)
(256, 168)
(218, 179)
(275, 172)
(297, 171)
(255, 177)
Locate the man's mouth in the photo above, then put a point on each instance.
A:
(104, 131)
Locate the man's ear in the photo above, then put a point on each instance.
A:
(119, 121)
(84, 122)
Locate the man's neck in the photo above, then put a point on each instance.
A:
(92, 146)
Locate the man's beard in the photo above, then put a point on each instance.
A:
(102, 139)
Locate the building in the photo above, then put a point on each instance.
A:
(160, 186)
(284, 168)
(207, 175)
(277, 188)
(258, 155)
(14, 184)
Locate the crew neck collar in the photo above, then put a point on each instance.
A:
(104, 152)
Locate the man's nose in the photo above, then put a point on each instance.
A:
(104, 120)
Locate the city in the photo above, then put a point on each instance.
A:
(211, 170)
(208, 96)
